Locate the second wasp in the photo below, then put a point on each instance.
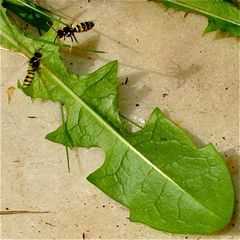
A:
(34, 64)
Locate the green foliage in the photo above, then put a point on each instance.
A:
(235, 2)
(157, 172)
(33, 17)
(222, 15)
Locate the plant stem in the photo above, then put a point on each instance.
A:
(40, 12)
(66, 148)
(67, 46)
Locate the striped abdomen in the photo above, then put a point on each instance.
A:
(34, 64)
(83, 27)
(29, 78)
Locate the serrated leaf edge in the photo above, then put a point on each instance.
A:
(205, 13)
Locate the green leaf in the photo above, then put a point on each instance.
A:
(222, 15)
(157, 172)
(34, 18)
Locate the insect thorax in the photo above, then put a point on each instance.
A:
(60, 33)
(67, 31)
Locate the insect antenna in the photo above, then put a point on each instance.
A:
(51, 26)
(54, 30)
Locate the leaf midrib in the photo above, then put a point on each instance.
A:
(206, 13)
(114, 132)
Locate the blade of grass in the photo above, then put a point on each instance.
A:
(67, 45)
(66, 148)
(40, 12)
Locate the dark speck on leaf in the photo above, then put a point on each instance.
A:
(137, 105)
(71, 63)
(233, 224)
(223, 138)
(117, 225)
(103, 206)
(165, 94)
(163, 139)
(7, 208)
(137, 40)
(226, 88)
(83, 235)
(31, 117)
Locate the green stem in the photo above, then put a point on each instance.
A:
(40, 12)
(66, 148)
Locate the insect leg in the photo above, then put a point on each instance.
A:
(62, 42)
(71, 43)
(55, 39)
(75, 38)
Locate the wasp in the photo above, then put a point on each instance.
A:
(69, 31)
(34, 64)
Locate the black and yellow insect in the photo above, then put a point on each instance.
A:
(34, 64)
(69, 31)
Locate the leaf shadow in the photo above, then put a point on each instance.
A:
(232, 160)
(182, 74)
(80, 61)
(131, 92)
